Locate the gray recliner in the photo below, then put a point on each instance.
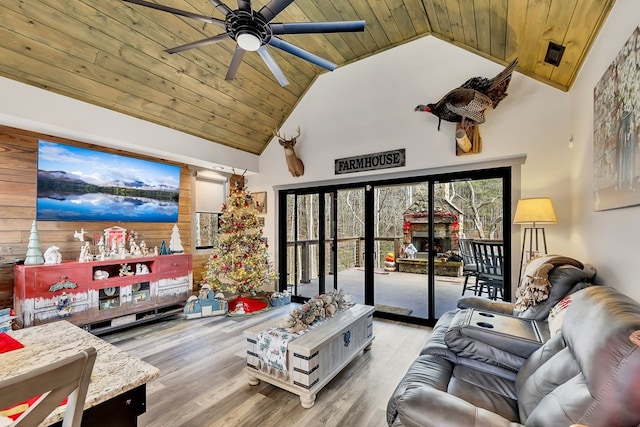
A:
(588, 373)
(449, 341)
(565, 279)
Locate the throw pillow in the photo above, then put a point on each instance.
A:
(535, 286)
(556, 315)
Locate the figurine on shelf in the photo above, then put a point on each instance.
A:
(79, 234)
(85, 253)
(143, 248)
(100, 275)
(52, 256)
(122, 251)
(114, 246)
(142, 268)
(125, 270)
(100, 246)
(164, 250)
(134, 249)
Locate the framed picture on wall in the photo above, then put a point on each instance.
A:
(260, 199)
(616, 129)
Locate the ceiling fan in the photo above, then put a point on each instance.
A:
(252, 31)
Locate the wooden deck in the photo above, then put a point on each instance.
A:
(396, 289)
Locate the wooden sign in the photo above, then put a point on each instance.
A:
(374, 161)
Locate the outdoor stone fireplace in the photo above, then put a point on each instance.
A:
(446, 233)
(446, 227)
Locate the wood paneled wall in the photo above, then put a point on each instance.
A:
(18, 172)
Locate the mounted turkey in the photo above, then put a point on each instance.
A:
(467, 103)
(253, 30)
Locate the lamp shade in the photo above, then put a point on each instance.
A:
(535, 210)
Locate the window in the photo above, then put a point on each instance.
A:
(206, 229)
(210, 194)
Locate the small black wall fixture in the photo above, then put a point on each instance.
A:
(554, 54)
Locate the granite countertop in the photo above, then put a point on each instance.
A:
(114, 372)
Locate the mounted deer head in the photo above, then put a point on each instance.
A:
(295, 165)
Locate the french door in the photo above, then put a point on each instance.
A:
(359, 238)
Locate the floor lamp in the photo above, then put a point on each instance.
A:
(532, 211)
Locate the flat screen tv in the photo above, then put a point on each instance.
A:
(80, 184)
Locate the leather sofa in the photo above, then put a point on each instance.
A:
(588, 373)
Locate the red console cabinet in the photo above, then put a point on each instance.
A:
(102, 295)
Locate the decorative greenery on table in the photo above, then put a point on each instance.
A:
(316, 309)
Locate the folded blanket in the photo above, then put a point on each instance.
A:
(535, 285)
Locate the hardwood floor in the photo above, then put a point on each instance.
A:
(202, 382)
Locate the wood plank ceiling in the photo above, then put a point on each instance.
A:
(112, 54)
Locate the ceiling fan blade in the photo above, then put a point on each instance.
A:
(179, 12)
(301, 53)
(244, 5)
(235, 63)
(200, 43)
(274, 7)
(273, 66)
(317, 27)
(221, 7)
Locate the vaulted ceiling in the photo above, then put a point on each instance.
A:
(112, 54)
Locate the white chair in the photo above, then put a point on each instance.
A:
(68, 377)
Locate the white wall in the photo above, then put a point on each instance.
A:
(367, 107)
(609, 238)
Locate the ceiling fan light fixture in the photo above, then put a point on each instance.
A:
(249, 42)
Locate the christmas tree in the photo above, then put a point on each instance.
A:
(239, 263)
(34, 254)
(175, 244)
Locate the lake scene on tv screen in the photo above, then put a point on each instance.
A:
(80, 184)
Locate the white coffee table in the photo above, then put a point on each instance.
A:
(314, 358)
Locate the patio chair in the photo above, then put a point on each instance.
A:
(489, 255)
(469, 267)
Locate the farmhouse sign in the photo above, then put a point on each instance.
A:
(374, 161)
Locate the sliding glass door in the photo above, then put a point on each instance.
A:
(401, 224)
(303, 250)
(392, 244)
(325, 242)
